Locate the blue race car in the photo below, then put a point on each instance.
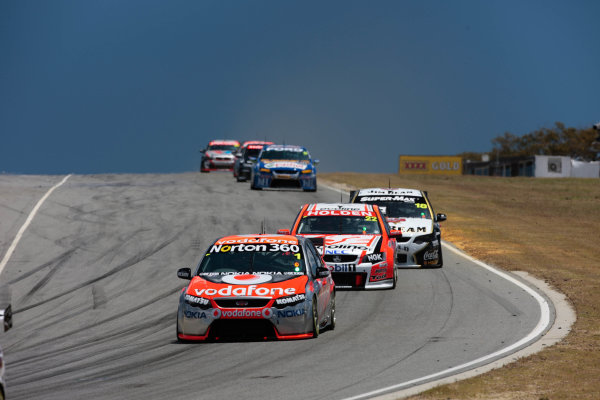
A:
(284, 166)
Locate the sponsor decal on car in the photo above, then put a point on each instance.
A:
(193, 300)
(353, 213)
(233, 313)
(343, 267)
(431, 257)
(290, 313)
(195, 314)
(250, 290)
(375, 257)
(285, 164)
(255, 240)
(378, 274)
(272, 247)
(405, 199)
(290, 301)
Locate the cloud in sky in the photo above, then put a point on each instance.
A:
(141, 86)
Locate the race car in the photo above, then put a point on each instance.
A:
(218, 155)
(256, 286)
(355, 241)
(410, 211)
(246, 157)
(284, 166)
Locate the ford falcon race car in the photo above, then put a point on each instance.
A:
(245, 159)
(257, 286)
(355, 241)
(409, 211)
(218, 155)
(284, 166)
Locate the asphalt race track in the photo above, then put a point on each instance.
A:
(95, 291)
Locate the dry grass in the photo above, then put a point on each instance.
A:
(547, 227)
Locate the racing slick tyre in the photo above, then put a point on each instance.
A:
(316, 330)
(311, 190)
(240, 178)
(332, 314)
(204, 167)
(254, 187)
(395, 278)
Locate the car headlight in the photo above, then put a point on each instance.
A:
(195, 301)
(287, 301)
(307, 171)
(424, 239)
(265, 170)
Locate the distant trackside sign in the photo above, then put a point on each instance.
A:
(439, 165)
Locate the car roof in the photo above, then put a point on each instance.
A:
(261, 142)
(224, 141)
(389, 192)
(259, 239)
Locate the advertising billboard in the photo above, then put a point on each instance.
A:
(438, 165)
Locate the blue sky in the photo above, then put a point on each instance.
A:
(109, 86)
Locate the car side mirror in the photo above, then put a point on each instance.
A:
(184, 273)
(323, 272)
(202, 151)
(283, 231)
(315, 162)
(441, 217)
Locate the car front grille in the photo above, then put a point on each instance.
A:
(241, 303)
(340, 258)
(350, 280)
(232, 329)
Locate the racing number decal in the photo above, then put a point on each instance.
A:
(421, 205)
(374, 219)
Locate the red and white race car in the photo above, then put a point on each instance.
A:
(257, 286)
(355, 241)
(219, 155)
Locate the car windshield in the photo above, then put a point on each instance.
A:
(253, 258)
(226, 147)
(412, 207)
(251, 153)
(339, 225)
(284, 155)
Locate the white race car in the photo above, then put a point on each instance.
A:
(410, 211)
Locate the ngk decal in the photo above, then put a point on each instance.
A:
(290, 313)
(250, 290)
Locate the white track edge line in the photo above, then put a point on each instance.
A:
(32, 214)
(542, 325)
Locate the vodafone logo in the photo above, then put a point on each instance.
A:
(246, 279)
